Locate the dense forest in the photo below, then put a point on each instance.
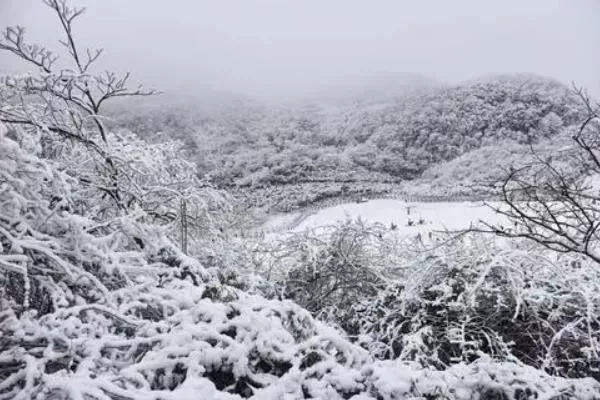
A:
(392, 140)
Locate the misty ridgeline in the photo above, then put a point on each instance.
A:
(408, 239)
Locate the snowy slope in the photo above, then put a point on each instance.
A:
(425, 217)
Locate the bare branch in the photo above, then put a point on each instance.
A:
(67, 101)
(546, 205)
(13, 40)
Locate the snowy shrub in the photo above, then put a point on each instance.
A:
(453, 303)
(176, 330)
(328, 273)
(35, 201)
(152, 179)
(160, 182)
(61, 109)
(456, 303)
(179, 339)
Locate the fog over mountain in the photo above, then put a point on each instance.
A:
(281, 49)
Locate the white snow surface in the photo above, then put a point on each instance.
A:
(425, 217)
(593, 181)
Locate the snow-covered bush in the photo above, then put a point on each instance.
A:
(45, 248)
(54, 249)
(175, 336)
(168, 190)
(456, 303)
(328, 272)
(62, 107)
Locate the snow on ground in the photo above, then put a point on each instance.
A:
(593, 181)
(408, 217)
(280, 221)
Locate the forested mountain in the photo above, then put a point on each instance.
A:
(393, 139)
(482, 171)
(445, 123)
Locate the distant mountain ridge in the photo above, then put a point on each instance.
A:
(378, 138)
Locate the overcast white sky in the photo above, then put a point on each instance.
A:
(278, 47)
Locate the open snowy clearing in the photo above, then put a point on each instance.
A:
(406, 217)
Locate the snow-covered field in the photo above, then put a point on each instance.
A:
(406, 217)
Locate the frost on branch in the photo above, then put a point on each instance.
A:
(552, 207)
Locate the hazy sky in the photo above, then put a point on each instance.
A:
(272, 48)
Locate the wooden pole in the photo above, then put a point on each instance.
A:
(184, 231)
